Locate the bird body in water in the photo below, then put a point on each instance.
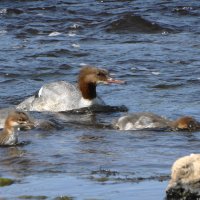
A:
(147, 120)
(63, 96)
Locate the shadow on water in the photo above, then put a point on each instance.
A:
(98, 109)
(19, 144)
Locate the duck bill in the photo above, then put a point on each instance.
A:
(198, 126)
(28, 126)
(111, 80)
(31, 125)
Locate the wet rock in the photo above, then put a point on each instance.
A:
(32, 197)
(105, 172)
(6, 182)
(64, 198)
(102, 179)
(182, 193)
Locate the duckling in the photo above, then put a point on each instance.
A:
(147, 120)
(185, 123)
(14, 121)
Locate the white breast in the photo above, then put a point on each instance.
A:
(86, 102)
(13, 139)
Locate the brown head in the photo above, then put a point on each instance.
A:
(89, 77)
(18, 119)
(187, 123)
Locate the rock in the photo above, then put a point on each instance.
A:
(6, 182)
(185, 178)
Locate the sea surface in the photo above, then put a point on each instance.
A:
(153, 45)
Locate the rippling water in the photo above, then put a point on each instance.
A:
(153, 45)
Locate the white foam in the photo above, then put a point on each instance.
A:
(3, 32)
(71, 34)
(83, 64)
(76, 45)
(3, 11)
(74, 26)
(139, 68)
(54, 34)
(165, 33)
(155, 73)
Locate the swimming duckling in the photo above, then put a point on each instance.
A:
(147, 120)
(14, 121)
(185, 123)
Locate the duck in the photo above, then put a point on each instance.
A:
(185, 178)
(148, 120)
(64, 96)
(41, 121)
(15, 120)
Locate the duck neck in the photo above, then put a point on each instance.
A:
(88, 90)
(8, 129)
(174, 125)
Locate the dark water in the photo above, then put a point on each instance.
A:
(153, 45)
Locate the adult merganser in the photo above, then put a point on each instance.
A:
(146, 120)
(14, 121)
(185, 178)
(62, 96)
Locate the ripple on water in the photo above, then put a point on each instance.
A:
(61, 52)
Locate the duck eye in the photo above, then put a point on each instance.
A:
(191, 125)
(99, 74)
(20, 120)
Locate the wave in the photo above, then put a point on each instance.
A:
(136, 24)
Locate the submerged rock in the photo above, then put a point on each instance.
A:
(32, 197)
(6, 182)
(64, 198)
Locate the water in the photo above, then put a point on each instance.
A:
(153, 45)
